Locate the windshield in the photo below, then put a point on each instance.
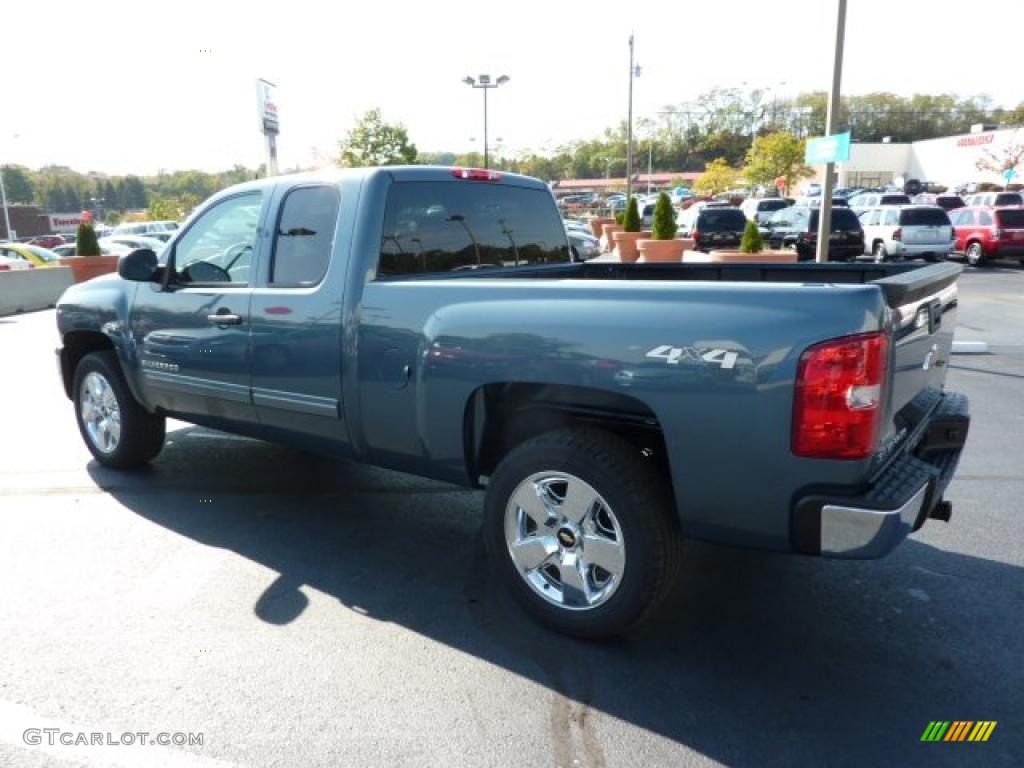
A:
(843, 219)
(1008, 198)
(924, 217)
(43, 253)
(721, 220)
(1011, 218)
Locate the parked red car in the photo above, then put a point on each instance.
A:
(985, 233)
(47, 241)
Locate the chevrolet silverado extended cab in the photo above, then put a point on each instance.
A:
(432, 320)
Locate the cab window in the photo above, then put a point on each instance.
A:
(305, 236)
(218, 247)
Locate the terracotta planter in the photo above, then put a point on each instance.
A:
(662, 251)
(764, 257)
(597, 223)
(607, 230)
(625, 245)
(87, 267)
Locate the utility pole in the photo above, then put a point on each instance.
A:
(3, 199)
(831, 127)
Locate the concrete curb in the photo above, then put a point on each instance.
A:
(970, 348)
(24, 290)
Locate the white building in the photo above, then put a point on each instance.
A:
(950, 160)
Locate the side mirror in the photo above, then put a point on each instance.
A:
(139, 266)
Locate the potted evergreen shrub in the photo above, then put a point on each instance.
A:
(663, 246)
(88, 261)
(625, 241)
(751, 250)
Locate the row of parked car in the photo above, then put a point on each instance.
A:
(47, 250)
(884, 226)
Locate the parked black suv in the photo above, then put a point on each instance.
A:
(713, 227)
(797, 228)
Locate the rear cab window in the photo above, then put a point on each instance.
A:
(923, 217)
(843, 219)
(442, 226)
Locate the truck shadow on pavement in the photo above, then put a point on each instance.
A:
(757, 659)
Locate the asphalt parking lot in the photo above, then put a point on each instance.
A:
(299, 611)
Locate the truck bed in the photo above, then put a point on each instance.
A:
(901, 283)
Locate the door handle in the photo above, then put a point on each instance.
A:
(224, 317)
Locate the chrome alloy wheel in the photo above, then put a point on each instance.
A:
(100, 412)
(565, 540)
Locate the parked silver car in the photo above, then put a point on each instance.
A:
(907, 231)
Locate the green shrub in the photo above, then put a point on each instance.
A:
(631, 221)
(752, 241)
(86, 244)
(664, 227)
(619, 217)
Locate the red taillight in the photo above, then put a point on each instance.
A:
(5, 267)
(476, 174)
(897, 234)
(695, 235)
(837, 409)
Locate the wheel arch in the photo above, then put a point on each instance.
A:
(500, 416)
(76, 345)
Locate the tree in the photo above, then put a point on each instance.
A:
(18, 184)
(86, 243)
(779, 154)
(374, 142)
(664, 225)
(718, 176)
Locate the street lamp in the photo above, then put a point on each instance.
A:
(484, 83)
(634, 71)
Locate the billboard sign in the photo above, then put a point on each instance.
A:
(266, 103)
(66, 222)
(828, 149)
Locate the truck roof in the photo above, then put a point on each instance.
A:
(398, 172)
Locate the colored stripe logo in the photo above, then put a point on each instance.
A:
(959, 730)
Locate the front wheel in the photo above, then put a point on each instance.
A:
(582, 529)
(118, 431)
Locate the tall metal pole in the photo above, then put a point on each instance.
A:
(485, 128)
(629, 128)
(831, 127)
(650, 161)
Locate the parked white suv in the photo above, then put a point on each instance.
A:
(907, 231)
(761, 209)
(994, 199)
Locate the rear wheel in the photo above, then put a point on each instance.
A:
(582, 529)
(975, 255)
(878, 252)
(118, 431)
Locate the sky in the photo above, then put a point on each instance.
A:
(172, 86)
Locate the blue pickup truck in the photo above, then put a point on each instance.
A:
(433, 320)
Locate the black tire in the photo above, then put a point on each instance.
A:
(975, 255)
(643, 508)
(141, 433)
(878, 252)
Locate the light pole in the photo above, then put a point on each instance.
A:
(634, 71)
(484, 83)
(831, 126)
